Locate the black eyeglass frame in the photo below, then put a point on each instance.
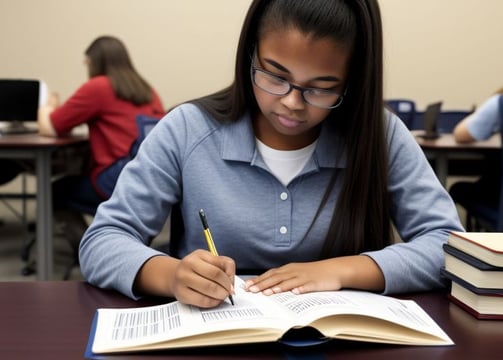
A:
(254, 69)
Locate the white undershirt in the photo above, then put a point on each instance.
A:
(285, 164)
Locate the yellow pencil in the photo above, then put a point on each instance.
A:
(209, 240)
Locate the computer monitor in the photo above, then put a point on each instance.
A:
(19, 102)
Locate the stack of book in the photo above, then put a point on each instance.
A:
(474, 264)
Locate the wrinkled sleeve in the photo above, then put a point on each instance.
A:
(113, 248)
(423, 214)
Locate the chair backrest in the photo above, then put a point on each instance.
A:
(108, 177)
(145, 124)
(405, 109)
(447, 120)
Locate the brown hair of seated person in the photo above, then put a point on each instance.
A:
(108, 56)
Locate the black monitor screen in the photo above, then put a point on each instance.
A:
(19, 100)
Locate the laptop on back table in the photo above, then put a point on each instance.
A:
(430, 119)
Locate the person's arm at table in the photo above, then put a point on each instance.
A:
(461, 132)
(45, 126)
(481, 124)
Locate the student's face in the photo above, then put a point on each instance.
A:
(287, 122)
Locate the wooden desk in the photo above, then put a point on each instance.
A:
(445, 148)
(40, 149)
(51, 320)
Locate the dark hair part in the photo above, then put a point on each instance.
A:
(108, 56)
(361, 219)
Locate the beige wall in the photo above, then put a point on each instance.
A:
(448, 50)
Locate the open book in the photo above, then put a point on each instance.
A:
(351, 315)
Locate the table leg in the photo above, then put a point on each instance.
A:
(44, 216)
(442, 168)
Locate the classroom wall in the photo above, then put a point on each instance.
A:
(446, 50)
(450, 50)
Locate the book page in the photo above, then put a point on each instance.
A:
(120, 328)
(313, 306)
(256, 317)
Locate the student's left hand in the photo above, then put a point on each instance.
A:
(358, 272)
(296, 277)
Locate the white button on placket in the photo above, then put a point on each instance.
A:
(283, 230)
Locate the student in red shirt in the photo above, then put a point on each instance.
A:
(108, 103)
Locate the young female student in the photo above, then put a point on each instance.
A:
(108, 103)
(298, 167)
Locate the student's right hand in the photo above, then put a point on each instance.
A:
(203, 280)
(53, 100)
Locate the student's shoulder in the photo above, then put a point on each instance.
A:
(99, 81)
(486, 114)
(192, 116)
(187, 121)
(491, 104)
(399, 138)
(393, 125)
(97, 85)
(390, 118)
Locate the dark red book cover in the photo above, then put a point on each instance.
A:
(472, 311)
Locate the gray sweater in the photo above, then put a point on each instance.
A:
(190, 158)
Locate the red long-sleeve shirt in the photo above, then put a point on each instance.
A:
(111, 121)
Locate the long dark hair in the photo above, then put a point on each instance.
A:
(361, 220)
(108, 56)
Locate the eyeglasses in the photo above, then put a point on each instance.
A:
(275, 85)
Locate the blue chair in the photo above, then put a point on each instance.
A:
(145, 124)
(108, 178)
(447, 120)
(405, 109)
(480, 216)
